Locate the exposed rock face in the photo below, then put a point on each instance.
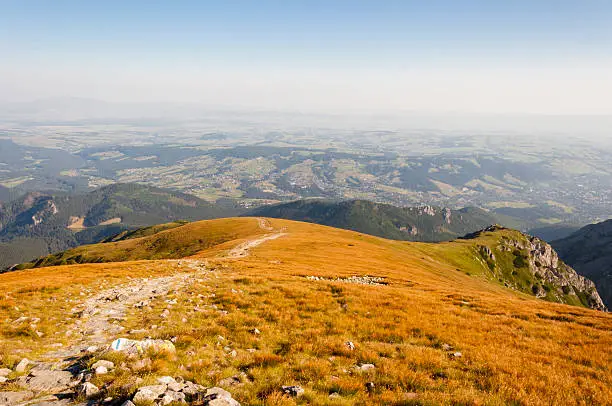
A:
(545, 265)
(531, 265)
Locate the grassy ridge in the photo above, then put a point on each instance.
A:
(515, 349)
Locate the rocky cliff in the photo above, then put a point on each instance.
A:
(531, 265)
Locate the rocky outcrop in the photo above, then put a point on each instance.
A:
(545, 265)
(529, 264)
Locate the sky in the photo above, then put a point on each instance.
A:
(536, 56)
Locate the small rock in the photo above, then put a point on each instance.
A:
(103, 363)
(251, 350)
(149, 393)
(219, 397)
(165, 314)
(128, 403)
(88, 389)
(23, 364)
(108, 399)
(101, 370)
(350, 345)
(294, 391)
(172, 396)
(3, 379)
(230, 381)
(5, 372)
(334, 395)
(91, 349)
(370, 386)
(456, 355)
(165, 380)
(255, 331)
(365, 367)
(447, 347)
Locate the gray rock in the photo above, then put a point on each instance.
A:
(49, 381)
(165, 380)
(22, 366)
(88, 389)
(128, 403)
(365, 367)
(172, 396)
(219, 397)
(350, 345)
(294, 391)
(230, 381)
(103, 363)
(149, 393)
(101, 370)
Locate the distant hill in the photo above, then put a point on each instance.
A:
(39, 223)
(425, 223)
(589, 251)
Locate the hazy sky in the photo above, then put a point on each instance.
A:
(534, 56)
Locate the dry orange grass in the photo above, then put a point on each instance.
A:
(515, 349)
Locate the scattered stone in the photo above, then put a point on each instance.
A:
(447, 347)
(255, 331)
(101, 370)
(135, 346)
(219, 397)
(230, 381)
(23, 364)
(108, 399)
(350, 345)
(3, 379)
(165, 314)
(103, 363)
(149, 393)
(365, 367)
(360, 280)
(294, 391)
(5, 372)
(455, 355)
(334, 395)
(88, 389)
(370, 386)
(166, 380)
(172, 397)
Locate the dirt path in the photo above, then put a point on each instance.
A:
(100, 316)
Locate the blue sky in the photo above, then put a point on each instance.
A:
(294, 53)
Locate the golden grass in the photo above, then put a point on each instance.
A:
(515, 349)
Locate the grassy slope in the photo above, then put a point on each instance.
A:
(516, 349)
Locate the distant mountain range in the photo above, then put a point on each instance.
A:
(425, 223)
(589, 251)
(39, 223)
